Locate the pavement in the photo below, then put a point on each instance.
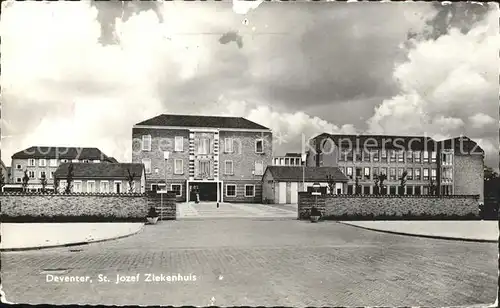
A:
(22, 236)
(249, 262)
(204, 210)
(480, 231)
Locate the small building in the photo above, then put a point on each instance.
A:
(281, 184)
(102, 178)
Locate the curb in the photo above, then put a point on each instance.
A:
(71, 244)
(438, 237)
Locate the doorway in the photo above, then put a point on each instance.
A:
(118, 187)
(206, 190)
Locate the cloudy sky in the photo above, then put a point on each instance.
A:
(82, 73)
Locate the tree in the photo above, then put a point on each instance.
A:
(402, 183)
(331, 184)
(43, 182)
(381, 179)
(56, 186)
(131, 182)
(490, 174)
(357, 187)
(26, 179)
(2, 180)
(69, 179)
(432, 187)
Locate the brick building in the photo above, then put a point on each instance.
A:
(452, 166)
(39, 160)
(185, 152)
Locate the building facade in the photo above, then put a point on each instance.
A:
(223, 158)
(5, 173)
(102, 178)
(39, 161)
(281, 184)
(446, 167)
(290, 159)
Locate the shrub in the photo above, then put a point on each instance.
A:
(152, 212)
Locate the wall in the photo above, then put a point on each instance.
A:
(165, 204)
(468, 177)
(387, 207)
(161, 140)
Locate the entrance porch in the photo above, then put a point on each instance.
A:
(207, 191)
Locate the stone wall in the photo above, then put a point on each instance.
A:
(78, 207)
(346, 207)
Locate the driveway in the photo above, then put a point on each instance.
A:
(205, 210)
(251, 262)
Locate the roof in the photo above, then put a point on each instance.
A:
(316, 174)
(112, 160)
(201, 121)
(100, 170)
(2, 164)
(293, 155)
(60, 153)
(380, 141)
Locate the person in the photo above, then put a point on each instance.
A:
(197, 194)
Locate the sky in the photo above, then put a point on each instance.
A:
(83, 73)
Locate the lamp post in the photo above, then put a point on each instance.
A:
(316, 192)
(166, 155)
(304, 156)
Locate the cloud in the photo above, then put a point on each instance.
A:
(243, 7)
(446, 83)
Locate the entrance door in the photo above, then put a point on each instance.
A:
(118, 187)
(282, 193)
(207, 191)
(294, 190)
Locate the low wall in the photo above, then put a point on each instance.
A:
(385, 207)
(75, 207)
(165, 204)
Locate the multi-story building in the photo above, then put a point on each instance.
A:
(290, 159)
(44, 160)
(223, 158)
(452, 166)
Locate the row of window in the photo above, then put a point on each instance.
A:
(42, 162)
(203, 146)
(369, 173)
(394, 190)
(204, 167)
(393, 156)
(230, 190)
(91, 187)
(31, 175)
(287, 161)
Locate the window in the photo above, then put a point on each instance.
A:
(90, 186)
(287, 161)
(282, 161)
(383, 170)
(392, 155)
(292, 162)
(433, 156)
(147, 165)
(375, 155)
(400, 173)
(433, 174)
(349, 155)
(43, 174)
(417, 191)
(392, 190)
(178, 166)
(375, 172)
(228, 167)
(42, 162)
(75, 160)
(383, 155)
(426, 157)
(410, 174)
(249, 191)
(342, 155)
(53, 162)
(393, 174)
(358, 172)
(96, 161)
(349, 172)
(366, 190)
(259, 146)
(426, 174)
(426, 190)
(401, 156)
(366, 155)
(204, 169)
(367, 173)
(409, 190)
(357, 153)
(177, 188)
(417, 174)
(19, 167)
(77, 186)
(179, 144)
(203, 146)
(146, 142)
(31, 174)
(416, 156)
(104, 186)
(18, 180)
(259, 168)
(31, 162)
(349, 189)
(230, 190)
(228, 145)
(409, 157)
(447, 159)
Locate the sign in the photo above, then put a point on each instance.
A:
(316, 193)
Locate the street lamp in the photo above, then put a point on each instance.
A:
(304, 157)
(316, 192)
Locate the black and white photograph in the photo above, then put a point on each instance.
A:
(250, 153)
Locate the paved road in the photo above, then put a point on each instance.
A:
(205, 210)
(257, 262)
